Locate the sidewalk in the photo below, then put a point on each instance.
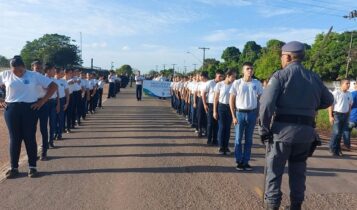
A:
(141, 155)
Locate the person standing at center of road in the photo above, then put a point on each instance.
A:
(139, 86)
(245, 94)
(21, 105)
(338, 114)
(208, 100)
(221, 110)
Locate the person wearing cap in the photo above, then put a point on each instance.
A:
(63, 94)
(21, 105)
(139, 85)
(208, 100)
(293, 96)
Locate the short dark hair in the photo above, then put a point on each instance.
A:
(58, 70)
(219, 71)
(247, 64)
(204, 74)
(36, 62)
(48, 66)
(231, 71)
(67, 70)
(17, 61)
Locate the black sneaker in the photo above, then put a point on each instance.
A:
(227, 151)
(33, 173)
(43, 158)
(221, 151)
(247, 167)
(240, 167)
(12, 173)
(51, 146)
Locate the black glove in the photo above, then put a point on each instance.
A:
(267, 138)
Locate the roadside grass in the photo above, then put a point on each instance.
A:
(323, 123)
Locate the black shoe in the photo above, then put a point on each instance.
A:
(221, 151)
(199, 135)
(240, 167)
(59, 138)
(247, 167)
(227, 151)
(12, 173)
(339, 153)
(43, 158)
(33, 173)
(215, 143)
(270, 207)
(51, 146)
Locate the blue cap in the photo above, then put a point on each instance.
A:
(293, 46)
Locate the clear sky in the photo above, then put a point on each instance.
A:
(146, 33)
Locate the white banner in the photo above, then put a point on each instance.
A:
(156, 88)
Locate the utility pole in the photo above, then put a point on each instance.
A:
(173, 68)
(111, 65)
(157, 67)
(204, 56)
(352, 15)
(164, 65)
(91, 63)
(185, 67)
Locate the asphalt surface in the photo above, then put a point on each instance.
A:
(141, 155)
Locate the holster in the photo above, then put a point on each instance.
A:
(317, 142)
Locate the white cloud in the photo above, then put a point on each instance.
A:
(125, 48)
(226, 2)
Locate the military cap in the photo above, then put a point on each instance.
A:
(293, 46)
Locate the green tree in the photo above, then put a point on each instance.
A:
(269, 61)
(124, 70)
(251, 52)
(53, 48)
(231, 54)
(4, 62)
(211, 66)
(332, 61)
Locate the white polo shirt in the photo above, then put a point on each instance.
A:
(62, 86)
(342, 102)
(111, 78)
(201, 87)
(223, 89)
(100, 84)
(25, 88)
(209, 89)
(139, 80)
(84, 84)
(70, 83)
(246, 93)
(77, 84)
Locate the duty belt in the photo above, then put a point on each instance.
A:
(295, 119)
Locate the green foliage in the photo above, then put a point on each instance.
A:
(53, 48)
(251, 52)
(322, 120)
(124, 70)
(231, 54)
(269, 61)
(168, 72)
(4, 62)
(211, 66)
(332, 61)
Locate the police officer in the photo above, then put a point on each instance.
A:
(21, 105)
(293, 96)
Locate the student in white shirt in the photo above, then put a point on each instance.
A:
(53, 108)
(85, 97)
(139, 86)
(43, 112)
(68, 76)
(21, 105)
(63, 94)
(339, 114)
(208, 99)
(111, 80)
(92, 86)
(77, 91)
(245, 93)
(100, 91)
(221, 111)
(201, 113)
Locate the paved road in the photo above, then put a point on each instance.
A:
(141, 155)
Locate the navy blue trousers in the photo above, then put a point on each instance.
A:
(21, 123)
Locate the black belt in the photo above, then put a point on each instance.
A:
(246, 110)
(295, 119)
(340, 113)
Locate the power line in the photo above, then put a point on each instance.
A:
(313, 5)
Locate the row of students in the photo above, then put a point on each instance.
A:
(212, 106)
(58, 99)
